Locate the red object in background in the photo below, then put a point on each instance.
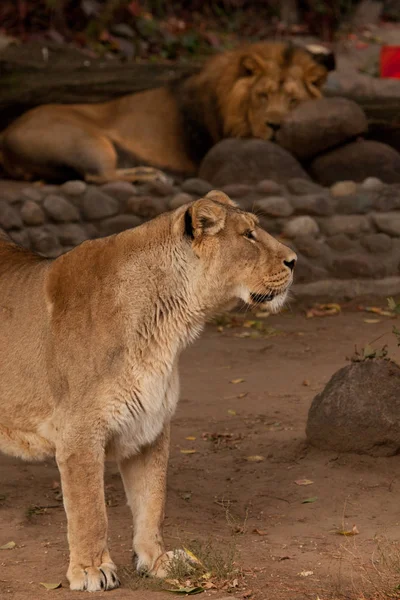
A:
(390, 61)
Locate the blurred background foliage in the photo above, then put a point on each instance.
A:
(168, 29)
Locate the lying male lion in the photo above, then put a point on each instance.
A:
(89, 348)
(242, 93)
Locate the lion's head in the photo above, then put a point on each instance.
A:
(233, 257)
(249, 91)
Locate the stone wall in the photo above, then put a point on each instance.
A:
(347, 236)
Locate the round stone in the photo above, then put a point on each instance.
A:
(314, 204)
(146, 206)
(237, 190)
(303, 186)
(9, 217)
(196, 186)
(372, 183)
(299, 226)
(31, 193)
(119, 223)
(274, 206)
(98, 205)
(341, 242)
(45, 242)
(388, 223)
(59, 209)
(120, 190)
(267, 187)
(32, 213)
(343, 188)
(71, 234)
(74, 187)
(179, 200)
(377, 243)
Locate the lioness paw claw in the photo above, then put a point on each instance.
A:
(95, 579)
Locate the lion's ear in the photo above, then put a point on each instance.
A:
(218, 196)
(322, 56)
(207, 217)
(251, 64)
(314, 79)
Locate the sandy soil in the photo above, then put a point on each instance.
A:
(217, 494)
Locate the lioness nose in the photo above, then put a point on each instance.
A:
(274, 126)
(290, 264)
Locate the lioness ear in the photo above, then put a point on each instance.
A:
(208, 217)
(220, 197)
(251, 65)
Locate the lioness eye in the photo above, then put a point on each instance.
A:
(250, 234)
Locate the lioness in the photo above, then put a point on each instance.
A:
(242, 93)
(89, 348)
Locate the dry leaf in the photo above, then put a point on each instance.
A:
(303, 482)
(192, 557)
(232, 412)
(8, 546)
(51, 586)
(305, 382)
(323, 310)
(235, 381)
(258, 532)
(310, 500)
(187, 451)
(306, 573)
(377, 311)
(242, 395)
(255, 458)
(372, 320)
(353, 531)
(190, 438)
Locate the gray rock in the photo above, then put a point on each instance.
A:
(146, 207)
(357, 161)
(249, 161)
(273, 206)
(341, 242)
(377, 243)
(32, 213)
(20, 237)
(387, 222)
(45, 242)
(313, 204)
(196, 186)
(343, 188)
(9, 217)
(299, 226)
(303, 186)
(31, 193)
(74, 187)
(71, 234)
(237, 190)
(318, 125)
(308, 271)
(179, 200)
(98, 205)
(372, 183)
(120, 190)
(159, 188)
(358, 411)
(353, 225)
(267, 187)
(308, 245)
(386, 199)
(360, 203)
(59, 209)
(119, 223)
(357, 265)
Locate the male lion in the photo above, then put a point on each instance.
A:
(89, 348)
(241, 93)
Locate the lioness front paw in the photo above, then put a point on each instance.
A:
(94, 579)
(163, 564)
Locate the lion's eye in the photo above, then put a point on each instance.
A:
(263, 95)
(250, 234)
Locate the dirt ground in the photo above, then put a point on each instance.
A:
(286, 550)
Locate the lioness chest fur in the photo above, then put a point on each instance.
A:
(89, 347)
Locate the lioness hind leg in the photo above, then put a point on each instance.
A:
(135, 174)
(82, 477)
(144, 478)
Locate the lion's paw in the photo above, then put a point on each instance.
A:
(94, 579)
(163, 564)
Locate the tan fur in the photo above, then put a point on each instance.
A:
(89, 347)
(241, 93)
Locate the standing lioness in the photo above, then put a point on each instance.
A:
(89, 347)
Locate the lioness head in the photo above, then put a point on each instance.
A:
(234, 257)
(256, 86)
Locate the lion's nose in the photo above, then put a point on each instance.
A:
(290, 263)
(274, 126)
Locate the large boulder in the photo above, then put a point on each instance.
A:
(359, 410)
(318, 125)
(357, 161)
(249, 161)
